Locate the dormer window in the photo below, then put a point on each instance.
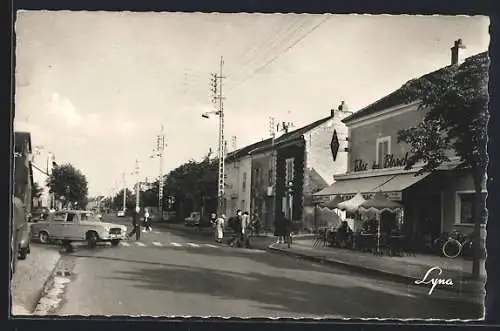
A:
(383, 148)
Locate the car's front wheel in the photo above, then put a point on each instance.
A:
(92, 239)
(115, 242)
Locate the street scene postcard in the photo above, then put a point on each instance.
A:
(250, 165)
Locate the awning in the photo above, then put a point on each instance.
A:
(384, 183)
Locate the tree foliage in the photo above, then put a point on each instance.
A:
(456, 103)
(36, 191)
(117, 201)
(69, 182)
(192, 182)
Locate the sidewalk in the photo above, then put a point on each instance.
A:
(31, 276)
(406, 269)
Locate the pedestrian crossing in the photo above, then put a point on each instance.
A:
(168, 244)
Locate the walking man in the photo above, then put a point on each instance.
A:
(136, 228)
(245, 227)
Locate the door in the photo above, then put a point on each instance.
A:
(72, 229)
(429, 216)
(56, 225)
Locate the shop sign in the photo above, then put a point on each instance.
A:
(321, 199)
(390, 161)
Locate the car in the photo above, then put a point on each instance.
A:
(20, 239)
(121, 213)
(193, 219)
(77, 225)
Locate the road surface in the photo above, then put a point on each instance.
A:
(168, 274)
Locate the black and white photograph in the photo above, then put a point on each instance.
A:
(246, 165)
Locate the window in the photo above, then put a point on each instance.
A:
(289, 170)
(383, 149)
(244, 185)
(59, 217)
(71, 217)
(465, 208)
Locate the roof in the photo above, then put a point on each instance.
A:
(21, 137)
(246, 150)
(396, 98)
(293, 135)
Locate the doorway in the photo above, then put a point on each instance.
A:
(429, 212)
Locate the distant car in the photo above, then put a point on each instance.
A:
(121, 213)
(193, 219)
(20, 240)
(78, 225)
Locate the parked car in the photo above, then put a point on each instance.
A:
(20, 239)
(78, 225)
(121, 213)
(193, 219)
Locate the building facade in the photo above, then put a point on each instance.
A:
(23, 171)
(238, 179)
(290, 168)
(437, 202)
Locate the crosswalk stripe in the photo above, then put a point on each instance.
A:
(157, 244)
(138, 243)
(125, 244)
(176, 244)
(193, 245)
(212, 246)
(157, 232)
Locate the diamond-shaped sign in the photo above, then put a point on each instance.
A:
(334, 145)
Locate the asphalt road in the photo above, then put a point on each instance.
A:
(174, 275)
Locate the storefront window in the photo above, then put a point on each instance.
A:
(466, 202)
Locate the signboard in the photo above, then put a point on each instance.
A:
(321, 199)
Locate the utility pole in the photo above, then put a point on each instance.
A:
(159, 152)
(217, 99)
(124, 192)
(137, 185)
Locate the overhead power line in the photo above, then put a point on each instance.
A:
(279, 54)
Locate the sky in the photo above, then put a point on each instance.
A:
(94, 88)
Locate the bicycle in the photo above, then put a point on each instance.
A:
(455, 244)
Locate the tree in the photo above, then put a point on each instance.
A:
(68, 182)
(129, 200)
(455, 99)
(36, 191)
(192, 183)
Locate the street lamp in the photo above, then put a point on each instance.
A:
(221, 157)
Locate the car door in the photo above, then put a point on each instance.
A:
(71, 227)
(55, 226)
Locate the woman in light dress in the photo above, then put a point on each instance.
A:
(219, 228)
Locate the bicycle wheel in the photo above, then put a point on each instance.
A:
(452, 248)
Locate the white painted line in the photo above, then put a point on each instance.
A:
(157, 232)
(125, 244)
(176, 244)
(138, 243)
(193, 245)
(157, 244)
(212, 246)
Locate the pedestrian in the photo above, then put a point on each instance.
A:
(147, 221)
(245, 228)
(219, 227)
(236, 225)
(279, 228)
(136, 228)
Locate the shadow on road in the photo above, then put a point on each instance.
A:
(297, 296)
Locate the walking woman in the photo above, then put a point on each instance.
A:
(147, 222)
(219, 227)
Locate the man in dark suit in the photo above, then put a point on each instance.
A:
(136, 227)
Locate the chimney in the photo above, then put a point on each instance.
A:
(343, 106)
(457, 52)
(332, 113)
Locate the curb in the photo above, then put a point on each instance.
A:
(408, 280)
